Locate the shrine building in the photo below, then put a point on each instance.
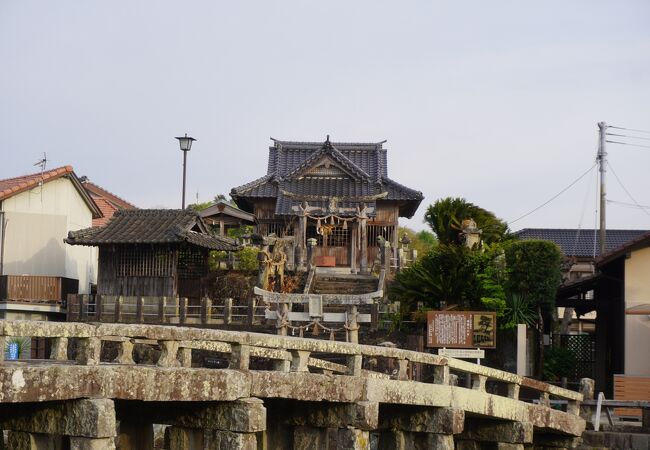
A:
(336, 193)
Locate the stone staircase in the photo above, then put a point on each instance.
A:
(330, 282)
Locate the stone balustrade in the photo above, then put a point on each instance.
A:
(273, 368)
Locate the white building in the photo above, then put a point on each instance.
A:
(37, 268)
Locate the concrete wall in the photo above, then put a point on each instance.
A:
(37, 222)
(637, 327)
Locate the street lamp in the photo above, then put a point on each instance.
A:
(186, 144)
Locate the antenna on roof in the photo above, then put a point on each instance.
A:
(42, 162)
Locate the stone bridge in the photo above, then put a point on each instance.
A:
(216, 389)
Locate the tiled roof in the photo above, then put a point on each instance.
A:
(107, 209)
(12, 186)
(366, 164)
(107, 202)
(579, 243)
(640, 241)
(152, 226)
(222, 208)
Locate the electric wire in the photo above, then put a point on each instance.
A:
(625, 189)
(628, 205)
(582, 214)
(628, 129)
(627, 143)
(555, 196)
(627, 136)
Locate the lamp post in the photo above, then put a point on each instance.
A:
(186, 144)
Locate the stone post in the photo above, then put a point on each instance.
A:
(89, 351)
(139, 309)
(300, 241)
(206, 310)
(227, 311)
(311, 243)
(118, 309)
(183, 310)
(353, 249)
(363, 231)
(283, 319)
(386, 254)
(353, 324)
(587, 388)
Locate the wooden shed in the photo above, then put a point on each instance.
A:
(152, 252)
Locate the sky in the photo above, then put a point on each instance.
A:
(497, 102)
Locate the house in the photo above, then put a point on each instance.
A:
(152, 252)
(106, 201)
(622, 293)
(336, 193)
(579, 246)
(37, 270)
(226, 216)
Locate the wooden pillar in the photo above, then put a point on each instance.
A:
(363, 231)
(222, 228)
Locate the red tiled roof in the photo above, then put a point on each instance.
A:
(107, 210)
(12, 186)
(107, 202)
(99, 192)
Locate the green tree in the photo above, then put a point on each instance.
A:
(422, 241)
(205, 205)
(446, 215)
(451, 275)
(534, 274)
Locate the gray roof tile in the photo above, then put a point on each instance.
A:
(152, 226)
(366, 162)
(580, 243)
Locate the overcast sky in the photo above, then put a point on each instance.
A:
(493, 101)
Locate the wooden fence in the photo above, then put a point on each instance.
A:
(164, 310)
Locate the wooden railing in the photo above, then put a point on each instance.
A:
(288, 354)
(36, 288)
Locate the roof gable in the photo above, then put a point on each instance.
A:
(13, 186)
(342, 170)
(637, 243)
(324, 158)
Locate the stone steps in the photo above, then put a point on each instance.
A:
(347, 284)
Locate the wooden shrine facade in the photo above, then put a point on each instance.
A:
(337, 193)
(152, 252)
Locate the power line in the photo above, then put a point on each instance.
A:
(628, 129)
(627, 143)
(625, 135)
(625, 189)
(555, 196)
(628, 205)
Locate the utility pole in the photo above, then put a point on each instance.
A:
(602, 161)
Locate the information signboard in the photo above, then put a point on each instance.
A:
(461, 329)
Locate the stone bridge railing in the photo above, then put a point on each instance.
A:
(375, 380)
